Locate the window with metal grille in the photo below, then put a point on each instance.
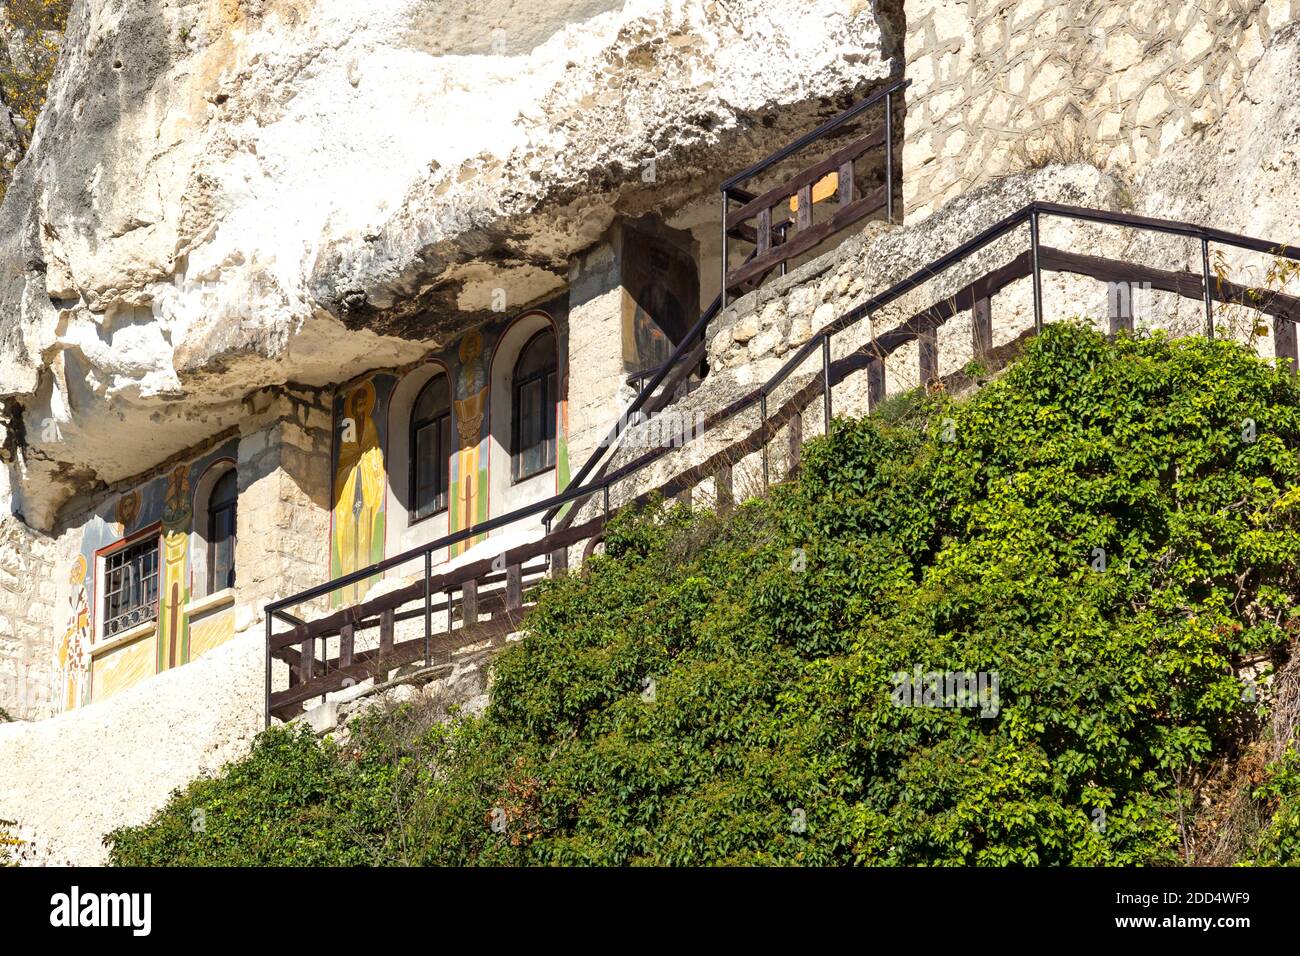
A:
(535, 395)
(221, 532)
(430, 446)
(131, 586)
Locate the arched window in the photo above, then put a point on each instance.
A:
(430, 449)
(534, 396)
(222, 505)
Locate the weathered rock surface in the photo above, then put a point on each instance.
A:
(71, 779)
(218, 192)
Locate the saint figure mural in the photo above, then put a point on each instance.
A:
(74, 647)
(468, 504)
(173, 635)
(359, 494)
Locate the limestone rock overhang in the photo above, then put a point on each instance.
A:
(222, 198)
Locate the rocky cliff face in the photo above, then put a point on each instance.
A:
(31, 32)
(227, 194)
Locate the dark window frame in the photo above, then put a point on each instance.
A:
(548, 378)
(216, 509)
(128, 569)
(440, 423)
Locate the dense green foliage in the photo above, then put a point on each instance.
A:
(1280, 843)
(1110, 528)
(33, 34)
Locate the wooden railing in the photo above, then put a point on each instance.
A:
(487, 599)
(792, 232)
(662, 385)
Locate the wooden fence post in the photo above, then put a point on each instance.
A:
(559, 562)
(981, 328)
(346, 643)
(514, 588)
(385, 645)
(846, 187)
(1120, 301)
(803, 216)
(307, 660)
(794, 435)
(469, 603)
(1284, 341)
(928, 355)
(875, 383)
(726, 497)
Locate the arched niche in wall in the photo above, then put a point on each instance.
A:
(512, 399)
(407, 528)
(203, 529)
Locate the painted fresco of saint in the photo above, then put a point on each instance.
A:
(126, 512)
(359, 493)
(172, 644)
(655, 311)
(470, 405)
(74, 647)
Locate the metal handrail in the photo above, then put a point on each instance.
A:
(656, 376)
(731, 185)
(789, 150)
(851, 317)
(684, 347)
(1030, 214)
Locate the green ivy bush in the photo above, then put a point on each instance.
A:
(1110, 529)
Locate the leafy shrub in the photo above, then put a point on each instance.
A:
(1110, 528)
(10, 843)
(292, 802)
(1280, 843)
(33, 38)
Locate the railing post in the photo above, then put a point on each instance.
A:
(826, 380)
(875, 383)
(889, 157)
(762, 412)
(794, 436)
(764, 235)
(266, 710)
(1038, 272)
(1284, 342)
(385, 645)
(469, 604)
(307, 659)
(928, 355)
(723, 294)
(428, 609)
(981, 328)
(514, 587)
(346, 642)
(847, 188)
(1205, 271)
(803, 215)
(559, 562)
(725, 490)
(1121, 308)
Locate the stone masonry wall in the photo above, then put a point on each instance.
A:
(26, 615)
(1002, 85)
(282, 538)
(759, 332)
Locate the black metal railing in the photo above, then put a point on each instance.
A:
(688, 354)
(315, 681)
(777, 242)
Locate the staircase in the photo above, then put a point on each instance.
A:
(486, 600)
